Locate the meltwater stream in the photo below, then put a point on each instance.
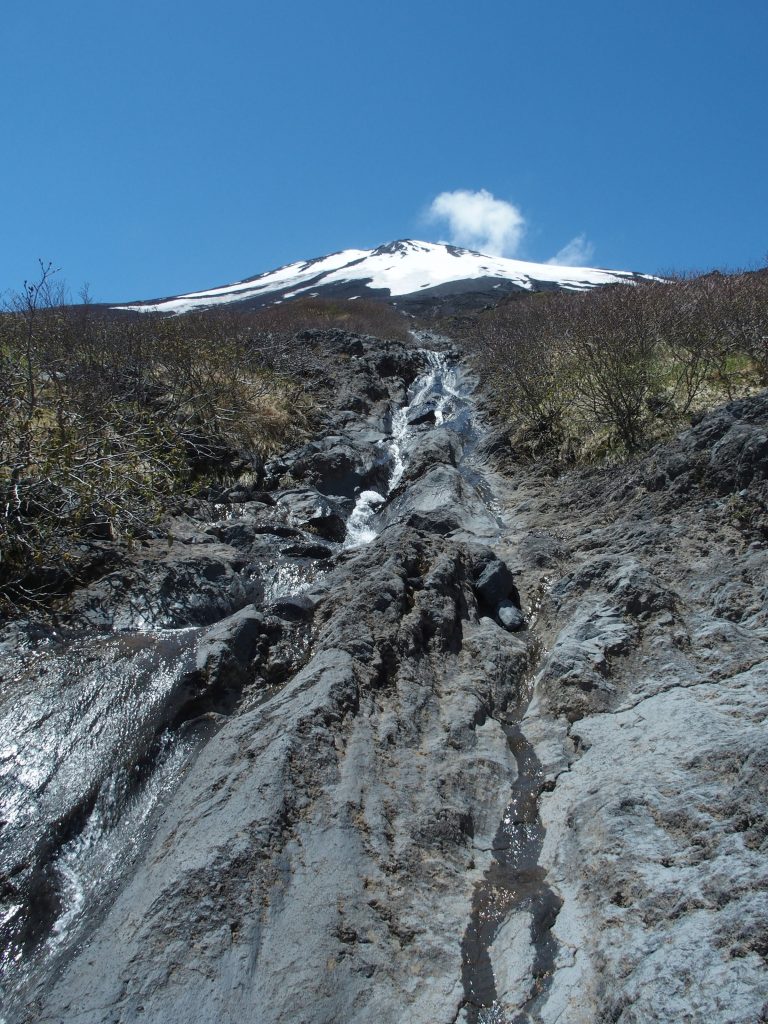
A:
(515, 883)
(87, 757)
(105, 757)
(435, 396)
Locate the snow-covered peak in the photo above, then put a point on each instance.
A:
(406, 269)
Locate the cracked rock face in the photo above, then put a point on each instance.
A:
(649, 723)
(305, 838)
(402, 738)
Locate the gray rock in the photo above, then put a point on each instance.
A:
(510, 616)
(542, 550)
(226, 651)
(310, 510)
(494, 583)
(308, 833)
(441, 501)
(340, 465)
(88, 720)
(739, 457)
(433, 448)
(168, 586)
(294, 607)
(347, 805)
(424, 412)
(645, 720)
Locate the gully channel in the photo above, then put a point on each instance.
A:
(274, 770)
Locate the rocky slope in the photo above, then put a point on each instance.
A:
(396, 734)
(649, 725)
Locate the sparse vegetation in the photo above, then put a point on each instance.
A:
(106, 421)
(584, 375)
(359, 316)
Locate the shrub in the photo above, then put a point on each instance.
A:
(576, 374)
(106, 420)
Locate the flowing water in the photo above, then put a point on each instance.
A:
(514, 883)
(130, 753)
(440, 396)
(87, 758)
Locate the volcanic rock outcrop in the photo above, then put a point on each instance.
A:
(398, 733)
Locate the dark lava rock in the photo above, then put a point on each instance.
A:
(434, 447)
(313, 511)
(341, 466)
(542, 550)
(443, 498)
(422, 413)
(739, 457)
(309, 833)
(94, 716)
(310, 550)
(495, 583)
(226, 651)
(294, 607)
(727, 451)
(345, 764)
(175, 586)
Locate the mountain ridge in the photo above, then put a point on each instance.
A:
(408, 273)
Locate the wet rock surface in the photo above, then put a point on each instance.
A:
(648, 722)
(390, 735)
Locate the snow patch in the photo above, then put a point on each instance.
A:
(401, 268)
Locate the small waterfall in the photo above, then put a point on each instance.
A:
(359, 529)
(435, 389)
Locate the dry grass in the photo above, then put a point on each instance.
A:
(589, 375)
(105, 422)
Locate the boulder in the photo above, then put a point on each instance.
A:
(226, 651)
(310, 510)
(495, 583)
(424, 412)
(510, 616)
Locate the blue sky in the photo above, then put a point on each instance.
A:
(157, 147)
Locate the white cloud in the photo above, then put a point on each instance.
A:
(480, 221)
(576, 253)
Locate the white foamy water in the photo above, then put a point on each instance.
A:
(438, 385)
(359, 529)
(433, 383)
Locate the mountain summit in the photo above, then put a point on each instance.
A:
(411, 274)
